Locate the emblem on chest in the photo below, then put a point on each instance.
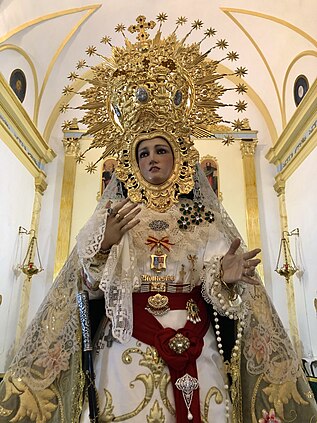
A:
(158, 259)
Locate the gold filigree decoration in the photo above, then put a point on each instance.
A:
(160, 197)
(236, 389)
(156, 414)
(37, 406)
(156, 379)
(280, 394)
(107, 413)
(154, 85)
(212, 392)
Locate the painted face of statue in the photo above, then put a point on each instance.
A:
(156, 160)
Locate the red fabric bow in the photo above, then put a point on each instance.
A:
(153, 242)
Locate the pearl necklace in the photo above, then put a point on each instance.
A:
(235, 351)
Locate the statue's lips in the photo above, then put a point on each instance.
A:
(154, 169)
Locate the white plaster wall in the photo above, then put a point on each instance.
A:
(48, 225)
(301, 202)
(16, 205)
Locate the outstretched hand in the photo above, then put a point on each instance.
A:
(121, 218)
(240, 267)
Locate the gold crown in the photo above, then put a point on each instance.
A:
(160, 86)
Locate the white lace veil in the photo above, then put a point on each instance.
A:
(91, 235)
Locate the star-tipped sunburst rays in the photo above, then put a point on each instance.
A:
(221, 44)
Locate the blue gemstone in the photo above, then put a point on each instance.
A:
(178, 97)
(116, 110)
(142, 95)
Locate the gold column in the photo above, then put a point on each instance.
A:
(279, 187)
(40, 187)
(71, 146)
(252, 207)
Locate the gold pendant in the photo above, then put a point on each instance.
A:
(157, 305)
(192, 311)
(158, 261)
(179, 343)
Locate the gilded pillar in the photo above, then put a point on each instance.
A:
(40, 187)
(71, 146)
(251, 196)
(247, 149)
(279, 187)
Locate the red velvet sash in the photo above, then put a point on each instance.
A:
(147, 329)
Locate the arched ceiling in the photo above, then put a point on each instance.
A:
(276, 41)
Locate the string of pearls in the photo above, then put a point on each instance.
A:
(225, 301)
(215, 291)
(235, 352)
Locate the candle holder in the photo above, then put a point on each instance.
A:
(285, 265)
(28, 266)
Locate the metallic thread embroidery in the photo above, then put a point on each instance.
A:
(158, 225)
(156, 379)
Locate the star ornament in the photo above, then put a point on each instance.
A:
(240, 106)
(162, 17)
(81, 64)
(241, 88)
(120, 28)
(80, 158)
(222, 44)
(237, 125)
(67, 90)
(181, 20)
(197, 24)
(72, 76)
(232, 56)
(210, 32)
(66, 124)
(241, 71)
(64, 108)
(105, 40)
(228, 140)
(91, 168)
(91, 50)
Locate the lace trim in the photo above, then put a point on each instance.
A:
(267, 348)
(118, 281)
(53, 336)
(214, 292)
